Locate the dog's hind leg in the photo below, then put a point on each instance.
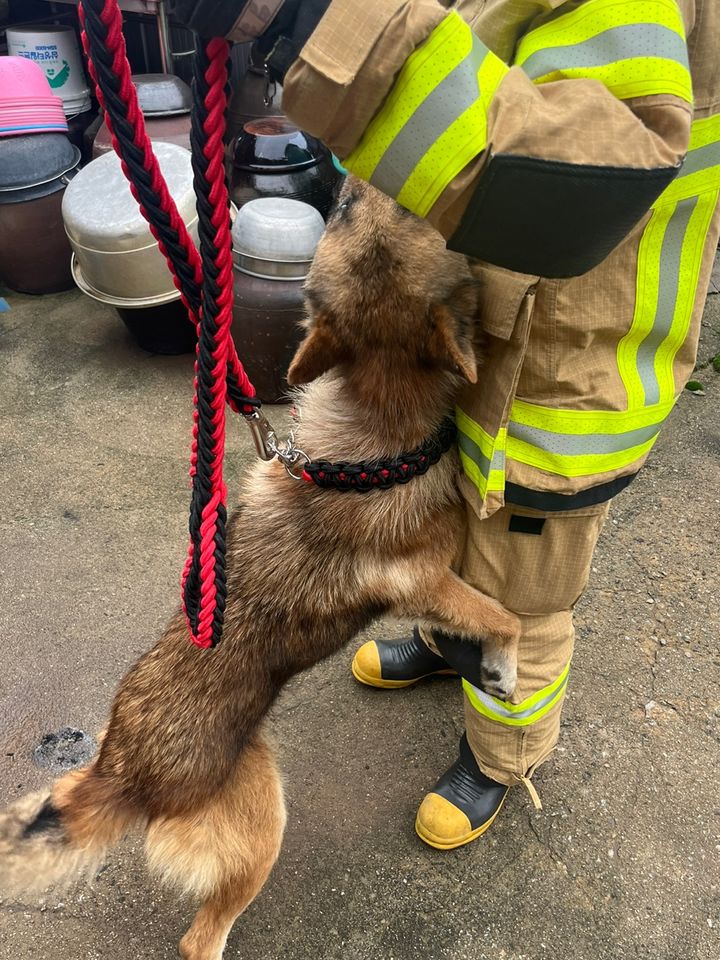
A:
(223, 851)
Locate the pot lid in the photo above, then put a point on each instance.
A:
(275, 145)
(277, 229)
(35, 158)
(100, 212)
(162, 94)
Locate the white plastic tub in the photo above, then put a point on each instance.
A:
(56, 51)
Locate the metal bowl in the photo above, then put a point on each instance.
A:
(275, 238)
(127, 270)
(162, 94)
(35, 160)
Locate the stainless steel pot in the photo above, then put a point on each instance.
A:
(115, 257)
(274, 241)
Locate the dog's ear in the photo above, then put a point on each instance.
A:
(319, 352)
(448, 347)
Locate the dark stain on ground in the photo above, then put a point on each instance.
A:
(64, 750)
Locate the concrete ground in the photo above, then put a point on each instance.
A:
(622, 862)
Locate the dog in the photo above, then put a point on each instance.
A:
(184, 757)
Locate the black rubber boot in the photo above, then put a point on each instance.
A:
(392, 665)
(462, 804)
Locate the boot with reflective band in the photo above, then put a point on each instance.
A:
(461, 806)
(391, 665)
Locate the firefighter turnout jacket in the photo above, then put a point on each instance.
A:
(572, 148)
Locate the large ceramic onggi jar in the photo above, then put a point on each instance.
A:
(34, 172)
(272, 158)
(274, 241)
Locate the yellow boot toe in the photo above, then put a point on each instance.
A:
(366, 668)
(444, 826)
(441, 824)
(462, 805)
(390, 665)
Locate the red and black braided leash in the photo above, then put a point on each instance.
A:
(204, 280)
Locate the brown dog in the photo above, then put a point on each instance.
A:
(184, 757)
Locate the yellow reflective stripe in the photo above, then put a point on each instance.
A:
(695, 179)
(476, 433)
(535, 699)
(572, 465)
(473, 472)
(704, 132)
(692, 185)
(485, 467)
(521, 714)
(495, 481)
(456, 147)
(692, 257)
(670, 257)
(434, 122)
(599, 40)
(646, 303)
(593, 18)
(657, 77)
(424, 70)
(620, 437)
(588, 422)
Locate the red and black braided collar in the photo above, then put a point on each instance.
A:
(370, 475)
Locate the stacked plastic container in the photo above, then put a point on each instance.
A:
(27, 104)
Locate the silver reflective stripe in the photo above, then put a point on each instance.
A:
(618, 43)
(441, 108)
(473, 451)
(499, 710)
(701, 159)
(668, 284)
(582, 444)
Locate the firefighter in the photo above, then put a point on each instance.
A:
(572, 149)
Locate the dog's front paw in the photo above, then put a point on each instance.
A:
(498, 672)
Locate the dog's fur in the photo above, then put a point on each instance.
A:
(184, 756)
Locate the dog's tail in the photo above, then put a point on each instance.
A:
(54, 837)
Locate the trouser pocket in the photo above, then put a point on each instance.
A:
(533, 562)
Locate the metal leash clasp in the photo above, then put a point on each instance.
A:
(269, 448)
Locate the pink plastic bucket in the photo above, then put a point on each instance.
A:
(20, 77)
